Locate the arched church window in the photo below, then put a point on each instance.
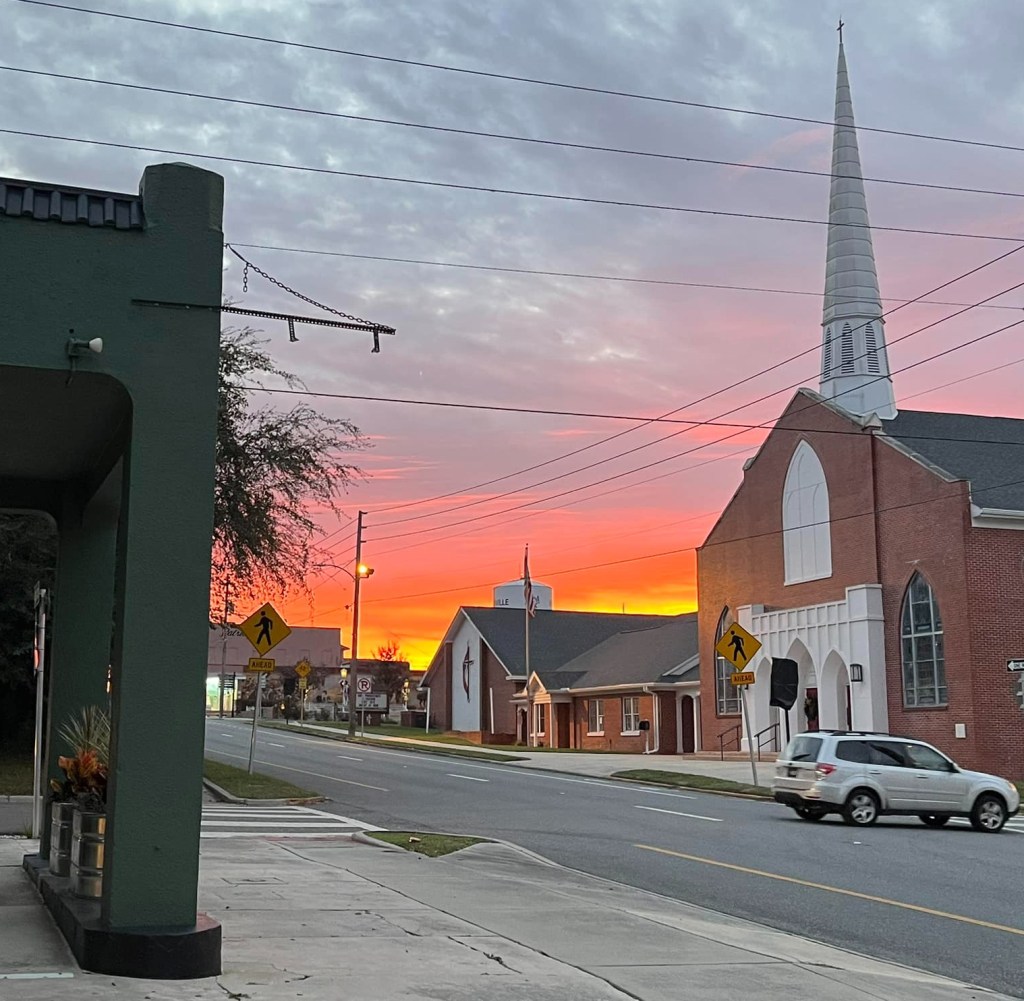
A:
(727, 694)
(806, 532)
(846, 350)
(923, 647)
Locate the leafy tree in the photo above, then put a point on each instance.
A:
(390, 651)
(272, 465)
(391, 677)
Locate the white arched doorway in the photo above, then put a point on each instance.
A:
(834, 694)
(807, 692)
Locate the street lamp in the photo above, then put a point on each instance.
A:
(362, 571)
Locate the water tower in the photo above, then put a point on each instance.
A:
(510, 595)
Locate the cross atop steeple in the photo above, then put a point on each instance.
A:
(840, 29)
(854, 363)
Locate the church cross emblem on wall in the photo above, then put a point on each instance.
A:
(467, 663)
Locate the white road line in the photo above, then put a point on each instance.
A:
(272, 744)
(674, 795)
(302, 824)
(36, 976)
(348, 757)
(468, 778)
(305, 771)
(676, 813)
(230, 735)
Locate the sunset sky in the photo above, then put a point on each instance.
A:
(472, 335)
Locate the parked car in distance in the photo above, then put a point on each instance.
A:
(863, 776)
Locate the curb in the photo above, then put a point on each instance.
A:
(364, 838)
(681, 788)
(5, 799)
(226, 797)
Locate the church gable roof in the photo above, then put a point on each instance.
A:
(639, 656)
(986, 451)
(555, 637)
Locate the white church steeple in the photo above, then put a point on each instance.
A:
(854, 363)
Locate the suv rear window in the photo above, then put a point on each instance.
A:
(803, 748)
(853, 750)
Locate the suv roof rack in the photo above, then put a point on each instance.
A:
(857, 733)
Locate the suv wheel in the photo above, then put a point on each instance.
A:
(809, 812)
(934, 819)
(861, 808)
(988, 813)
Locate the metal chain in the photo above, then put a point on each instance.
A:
(291, 291)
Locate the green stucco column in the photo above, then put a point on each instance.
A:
(82, 616)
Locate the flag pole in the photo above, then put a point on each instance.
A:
(527, 588)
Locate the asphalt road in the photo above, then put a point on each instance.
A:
(950, 901)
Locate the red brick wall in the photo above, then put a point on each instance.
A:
(612, 739)
(921, 523)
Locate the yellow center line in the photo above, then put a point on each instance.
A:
(1009, 929)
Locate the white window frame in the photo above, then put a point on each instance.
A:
(806, 519)
(911, 637)
(627, 715)
(540, 719)
(595, 718)
(727, 695)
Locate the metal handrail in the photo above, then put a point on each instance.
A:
(722, 737)
(773, 731)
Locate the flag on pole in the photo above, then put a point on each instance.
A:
(528, 595)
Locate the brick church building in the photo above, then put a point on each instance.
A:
(881, 549)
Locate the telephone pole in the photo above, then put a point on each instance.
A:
(353, 670)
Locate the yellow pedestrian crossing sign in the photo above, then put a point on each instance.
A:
(737, 646)
(265, 628)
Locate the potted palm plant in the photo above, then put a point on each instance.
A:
(77, 841)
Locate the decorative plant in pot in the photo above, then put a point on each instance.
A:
(79, 802)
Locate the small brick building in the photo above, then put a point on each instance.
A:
(594, 678)
(881, 549)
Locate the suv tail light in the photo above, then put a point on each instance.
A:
(824, 770)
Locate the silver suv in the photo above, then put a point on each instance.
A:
(864, 775)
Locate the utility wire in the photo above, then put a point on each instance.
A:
(504, 136)
(547, 196)
(693, 549)
(657, 462)
(508, 77)
(593, 277)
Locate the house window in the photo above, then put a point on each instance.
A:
(595, 716)
(728, 695)
(540, 717)
(922, 642)
(806, 532)
(631, 714)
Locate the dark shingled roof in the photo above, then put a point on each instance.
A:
(555, 637)
(57, 203)
(987, 451)
(641, 656)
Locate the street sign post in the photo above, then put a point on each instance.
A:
(364, 686)
(739, 648)
(372, 702)
(264, 629)
(302, 669)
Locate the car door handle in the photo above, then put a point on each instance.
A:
(874, 771)
(925, 777)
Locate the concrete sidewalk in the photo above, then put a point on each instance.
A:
(341, 919)
(593, 765)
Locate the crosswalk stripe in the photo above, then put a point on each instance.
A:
(227, 821)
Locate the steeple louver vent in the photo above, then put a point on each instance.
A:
(846, 351)
(871, 348)
(827, 362)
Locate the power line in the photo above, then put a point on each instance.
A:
(548, 196)
(690, 426)
(965, 378)
(509, 77)
(657, 462)
(594, 277)
(724, 389)
(707, 545)
(504, 136)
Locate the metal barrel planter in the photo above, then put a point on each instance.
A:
(87, 838)
(61, 817)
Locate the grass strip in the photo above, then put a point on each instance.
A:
(448, 750)
(680, 780)
(15, 774)
(240, 783)
(431, 845)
